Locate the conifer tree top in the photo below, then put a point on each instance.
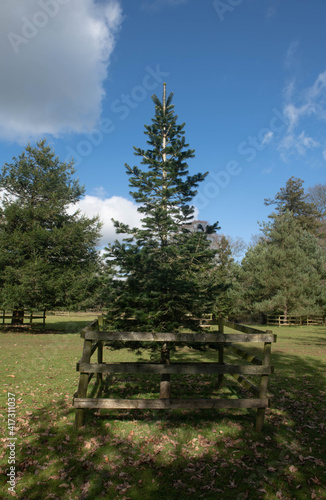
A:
(162, 272)
(164, 189)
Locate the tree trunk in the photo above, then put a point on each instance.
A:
(286, 313)
(17, 316)
(165, 387)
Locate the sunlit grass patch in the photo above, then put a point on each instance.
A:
(150, 454)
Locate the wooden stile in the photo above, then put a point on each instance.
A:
(94, 337)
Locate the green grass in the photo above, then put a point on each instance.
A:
(68, 323)
(156, 454)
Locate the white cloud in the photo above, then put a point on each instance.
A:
(271, 9)
(2, 196)
(307, 106)
(54, 60)
(304, 143)
(300, 144)
(312, 102)
(288, 90)
(267, 138)
(316, 97)
(100, 192)
(292, 55)
(116, 207)
(267, 171)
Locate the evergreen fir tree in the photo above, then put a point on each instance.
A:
(162, 270)
(284, 273)
(292, 198)
(48, 257)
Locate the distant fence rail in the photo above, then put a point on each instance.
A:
(94, 339)
(28, 318)
(289, 320)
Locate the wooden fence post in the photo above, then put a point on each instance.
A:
(100, 360)
(260, 416)
(100, 322)
(83, 383)
(95, 340)
(165, 384)
(220, 349)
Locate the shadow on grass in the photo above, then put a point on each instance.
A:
(182, 454)
(57, 327)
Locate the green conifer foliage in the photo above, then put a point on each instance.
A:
(285, 272)
(48, 256)
(162, 271)
(292, 198)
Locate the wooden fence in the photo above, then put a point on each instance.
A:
(282, 320)
(94, 340)
(29, 317)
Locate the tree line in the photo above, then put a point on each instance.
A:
(283, 271)
(168, 273)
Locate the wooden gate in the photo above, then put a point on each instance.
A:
(94, 340)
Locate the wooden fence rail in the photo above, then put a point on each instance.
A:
(94, 340)
(27, 319)
(282, 320)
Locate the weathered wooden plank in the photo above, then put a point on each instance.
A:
(87, 351)
(241, 328)
(246, 383)
(260, 416)
(181, 368)
(82, 392)
(169, 404)
(249, 329)
(101, 322)
(94, 347)
(83, 382)
(180, 337)
(99, 376)
(92, 326)
(221, 349)
(245, 355)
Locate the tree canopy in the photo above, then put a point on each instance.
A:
(48, 255)
(292, 198)
(284, 272)
(162, 273)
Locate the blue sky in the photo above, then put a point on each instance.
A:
(249, 81)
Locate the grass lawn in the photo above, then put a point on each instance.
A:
(162, 455)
